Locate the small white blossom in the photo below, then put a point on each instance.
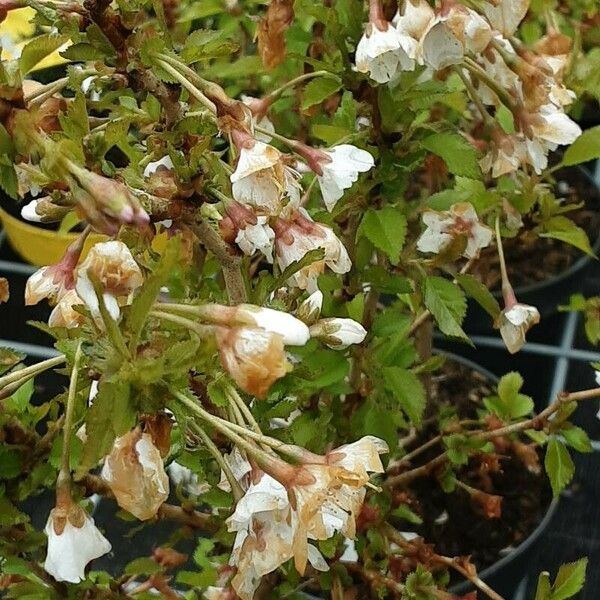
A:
(293, 331)
(29, 213)
(262, 120)
(445, 226)
(63, 314)
(152, 167)
(515, 322)
(73, 541)
(310, 309)
(383, 52)
(554, 126)
(505, 15)
(298, 236)
(340, 169)
(413, 18)
(257, 238)
(338, 333)
(439, 47)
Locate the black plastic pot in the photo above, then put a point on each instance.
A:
(546, 295)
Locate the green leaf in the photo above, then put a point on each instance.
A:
(586, 147)
(408, 390)
(112, 414)
(204, 44)
(577, 438)
(563, 229)
(142, 566)
(318, 90)
(9, 358)
(386, 230)
(216, 394)
(447, 304)
(559, 465)
(10, 462)
(83, 52)
(38, 48)
(570, 580)
(457, 153)
(480, 293)
(144, 300)
(74, 121)
(405, 513)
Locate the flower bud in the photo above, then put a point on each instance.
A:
(73, 541)
(310, 310)
(514, 322)
(43, 210)
(338, 333)
(111, 199)
(136, 475)
(253, 357)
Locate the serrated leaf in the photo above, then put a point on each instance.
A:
(38, 48)
(563, 229)
(447, 304)
(577, 438)
(318, 90)
(204, 44)
(83, 52)
(74, 121)
(570, 580)
(480, 293)
(216, 394)
(142, 566)
(586, 147)
(386, 230)
(404, 512)
(112, 414)
(458, 154)
(559, 465)
(408, 390)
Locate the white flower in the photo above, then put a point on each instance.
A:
(470, 28)
(439, 47)
(505, 15)
(293, 331)
(414, 19)
(338, 333)
(259, 237)
(73, 541)
(310, 309)
(152, 167)
(48, 283)
(296, 237)
(515, 322)
(505, 156)
(63, 314)
(383, 52)
(29, 213)
(261, 119)
(116, 270)
(552, 125)
(340, 170)
(253, 357)
(135, 473)
(443, 227)
(261, 179)
(240, 467)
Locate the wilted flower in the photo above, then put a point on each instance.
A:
(505, 15)
(514, 322)
(338, 333)
(112, 264)
(382, 51)
(413, 18)
(505, 155)
(253, 357)
(261, 179)
(271, 32)
(259, 107)
(298, 235)
(554, 126)
(445, 226)
(73, 541)
(63, 314)
(136, 475)
(43, 210)
(310, 310)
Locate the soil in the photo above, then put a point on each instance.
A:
(452, 521)
(530, 259)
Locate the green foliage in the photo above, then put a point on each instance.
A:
(459, 156)
(480, 293)
(38, 48)
(569, 581)
(447, 304)
(559, 465)
(509, 403)
(319, 89)
(408, 390)
(585, 148)
(386, 230)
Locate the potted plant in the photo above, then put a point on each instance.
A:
(276, 354)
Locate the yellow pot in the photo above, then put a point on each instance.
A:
(39, 246)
